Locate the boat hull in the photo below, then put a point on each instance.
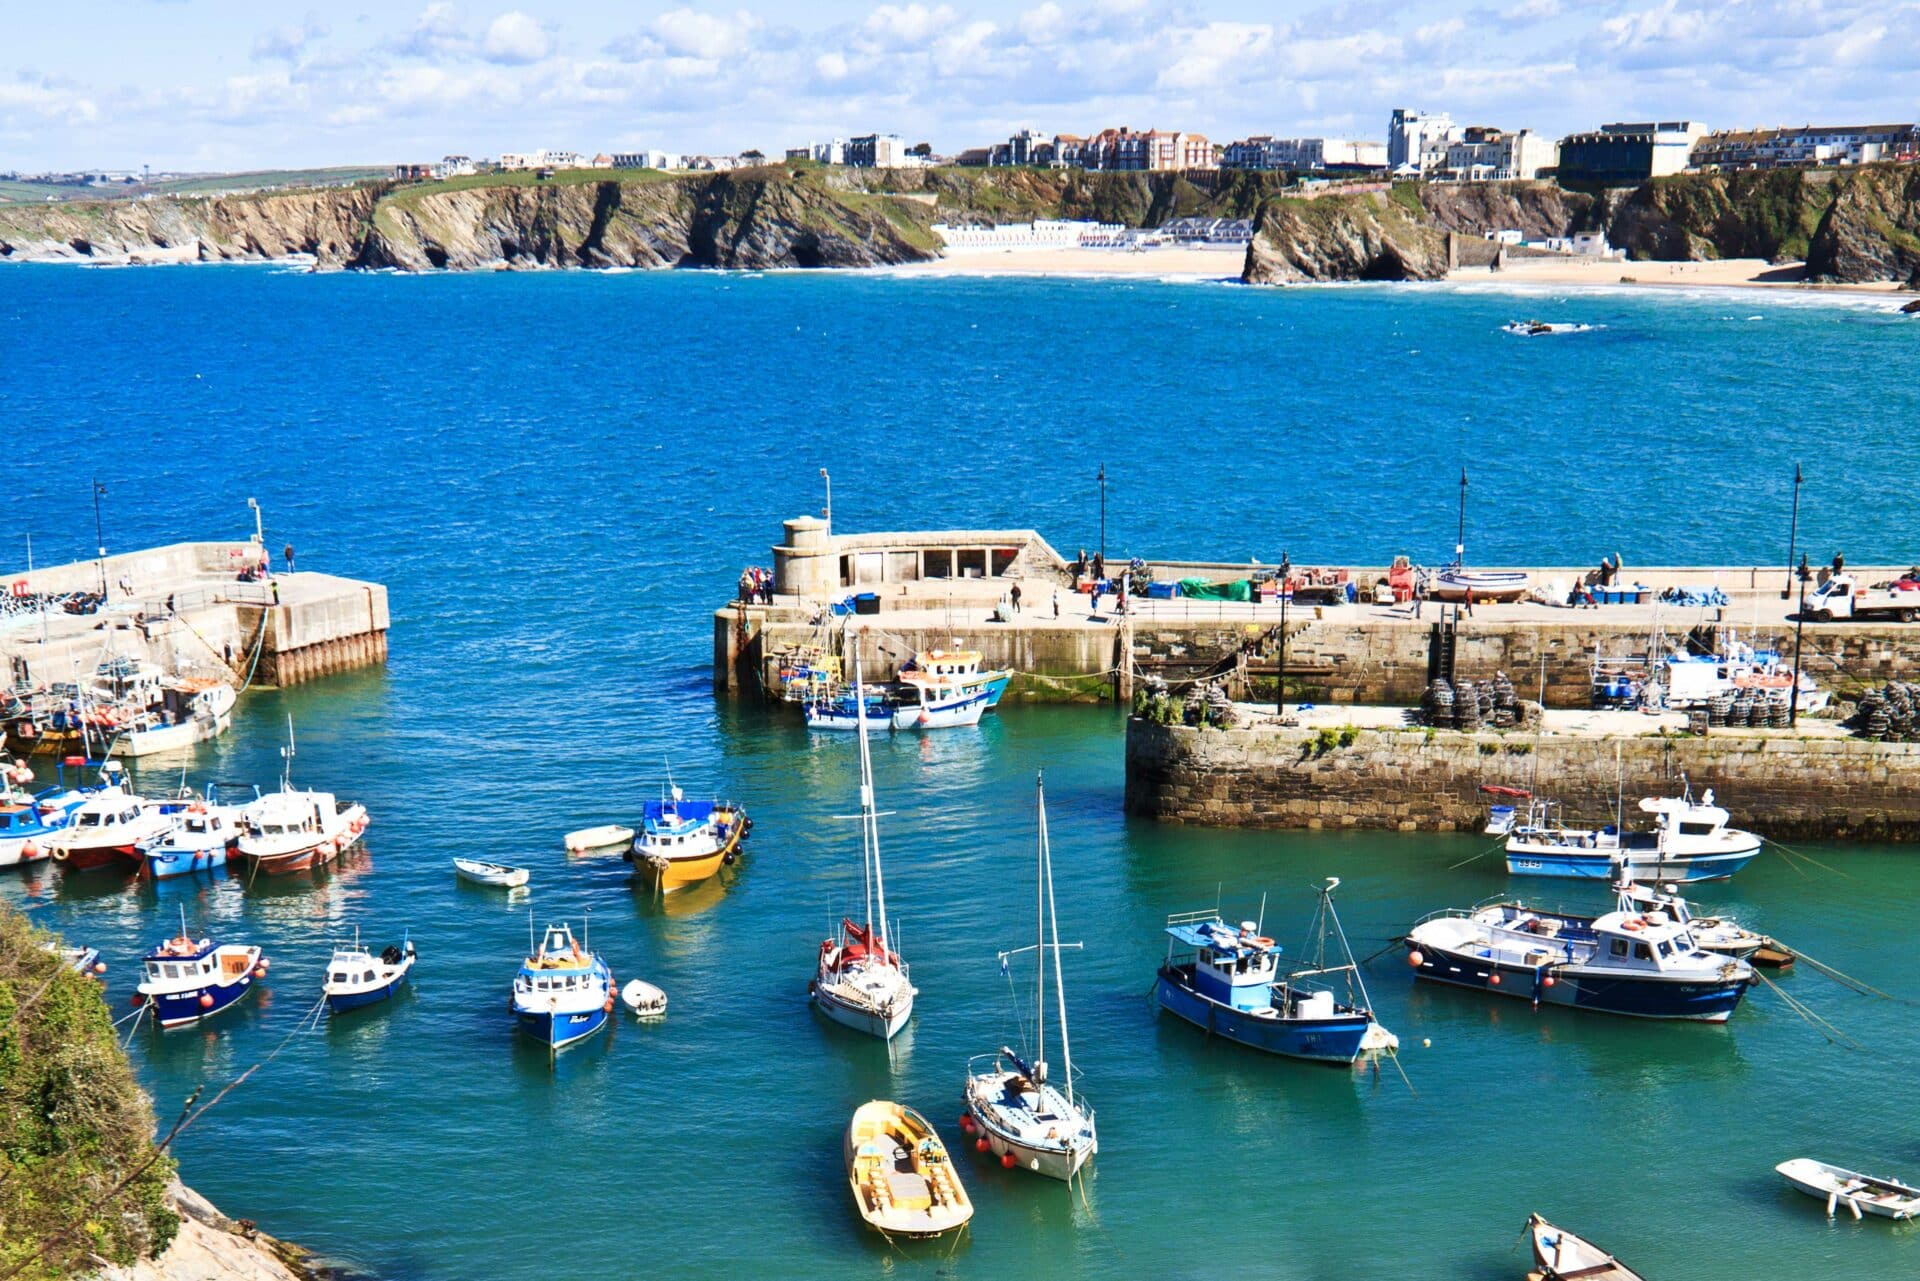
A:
(161, 864)
(668, 875)
(557, 1029)
(1635, 996)
(1053, 1162)
(340, 1001)
(179, 1009)
(1330, 1040)
(864, 1018)
(14, 850)
(97, 858)
(1601, 864)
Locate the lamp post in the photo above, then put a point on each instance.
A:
(1286, 572)
(100, 539)
(1460, 538)
(1793, 534)
(829, 480)
(1102, 478)
(1799, 616)
(259, 531)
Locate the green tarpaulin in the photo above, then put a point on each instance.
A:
(1201, 589)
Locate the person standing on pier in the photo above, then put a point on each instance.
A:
(1056, 603)
(287, 553)
(1014, 596)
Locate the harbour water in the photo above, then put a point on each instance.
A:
(556, 476)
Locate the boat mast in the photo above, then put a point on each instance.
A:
(1053, 922)
(1460, 540)
(1040, 936)
(869, 820)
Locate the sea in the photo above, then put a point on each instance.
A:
(559, 477)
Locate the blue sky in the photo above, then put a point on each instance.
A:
(220, 84)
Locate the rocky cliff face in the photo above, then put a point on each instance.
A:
(1345, 237)
(1538, 210)
(1871, 229)
(212, 1247)
(1695, 217)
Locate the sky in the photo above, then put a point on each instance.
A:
(252, 84)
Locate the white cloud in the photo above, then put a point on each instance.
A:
(1219, 49)
(436, 32)
(46, 100)
(287, 42)
(910, 26)
(515, 39)
(1043, 25)
(1531, 11)
(690, 33)
(831, 66)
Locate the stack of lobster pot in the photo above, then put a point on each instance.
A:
(1718, 706)
(1506, 705)
(1899, 713)
(1779, 712)
(1439, 703)
(1466, 705)
(1870, 702)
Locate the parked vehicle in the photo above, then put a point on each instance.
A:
(1842, 597)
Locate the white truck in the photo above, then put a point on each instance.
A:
(1842, 597)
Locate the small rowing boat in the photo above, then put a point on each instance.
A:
(903, 1182)
(498, 874)
(598, 838)
(1559, 1255)
(1456, 583)
(644, 999)
(1858, 1192)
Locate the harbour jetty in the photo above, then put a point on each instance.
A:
(891, 594)
(199, 607)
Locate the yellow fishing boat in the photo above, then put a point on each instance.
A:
(684, 842)
(903, 1182)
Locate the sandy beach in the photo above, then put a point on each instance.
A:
(1755, 273)
(1222, 264)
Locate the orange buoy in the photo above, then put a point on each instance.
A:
(259, 971)
(1547, 981)
(264, 962)
(1495, 980)
(29, 852)
(1415, 959)
(206, 1000)
(1008, 1160)
(99, 967)
(980, 1144)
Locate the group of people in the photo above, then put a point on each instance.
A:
(1582, 595)
(756, 586)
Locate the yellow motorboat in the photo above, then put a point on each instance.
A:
(684, 842)
(903, 1182)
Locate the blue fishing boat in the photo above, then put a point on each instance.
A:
(1690, 841)
(202, 836)
(356, 977)
(838, 712)
(1229, 981)
(189, 979)
(1645, 964)
(563, 992)
(25, 823)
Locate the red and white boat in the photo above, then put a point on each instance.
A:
(108, 828)
(293, 829)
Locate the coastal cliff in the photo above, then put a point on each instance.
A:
(1370, 236)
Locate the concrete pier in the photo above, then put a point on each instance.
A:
(937, 587)
(185, 608)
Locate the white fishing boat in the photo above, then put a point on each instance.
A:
(643, 999)
(107, 829)
(357, 977)
(1690, 841)
(496, 874)
(1456, 583)
(200, 839)
(1710, 933)
(1858, 1193)
(926, 707)
(951, 671)
(1688, 680)
(606, 836)
(859, 980)
(1013, 1109)
(1559, 1255)
(296, 829)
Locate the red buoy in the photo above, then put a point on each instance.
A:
(1547, 981)
(1495, 980)
(980, 1144)
(1415, 959)
(206, 1000)
(1008, 1160)
(966, 1123)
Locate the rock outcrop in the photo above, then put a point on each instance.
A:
(1371, 236)
(1770, 214)
(1871, 230)
(211, 1247)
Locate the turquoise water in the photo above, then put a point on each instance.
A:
(560, 476)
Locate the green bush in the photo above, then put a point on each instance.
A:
(73, 1124)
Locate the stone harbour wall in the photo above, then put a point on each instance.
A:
(1412, 779)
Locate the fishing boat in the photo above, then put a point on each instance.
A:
(1229, 982)
(357, 977)
(190, 979)
(79, 959)
(495, 874)
(200, 839)
(603, 837)
(108, 828)
(859, 980)
(25, 822)
(922, 708)
(1860, 1193)
(644, 999)
(1642, 965)
(1690, 841)
(127, 708)
(683, 842)
(946, 673)
(871, 710)
(1559, 1255)
(1543, 328)
(186, 711)
(563, 992)
(903, 1182)
(1014, 1110)
(1711, 933)
(296, 829)
(1688, 680)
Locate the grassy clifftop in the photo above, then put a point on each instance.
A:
(80, 1181)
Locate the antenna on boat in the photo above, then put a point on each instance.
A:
(531, 950)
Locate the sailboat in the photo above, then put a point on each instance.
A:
(1013, 1110)
(861, 981)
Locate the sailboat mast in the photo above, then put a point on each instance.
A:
(1040, 932)
(1053, 924)
(876, 927)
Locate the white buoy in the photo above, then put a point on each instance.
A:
(1426, 1043)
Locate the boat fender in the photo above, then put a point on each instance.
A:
(1634, 924)
(608, 1007)
(264, 962)
(99, 967)
(139, 998)
(259, 971)
(60, 854)
(1415, 959)
(980, 1144)
(1008, 1161)
(206, 1000)
(1547, 981)
(29, 852)
(966, 1123)
(1494, 979)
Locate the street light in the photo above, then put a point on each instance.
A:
(100, 539)
(1793, 534)
(1799, 616)
(829, 480)
(259, 532)
(1286, 572)
(1102, 478)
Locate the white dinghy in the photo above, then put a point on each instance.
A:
(1859, 1193)
(603, 837)
(644, 999)
(497, 874)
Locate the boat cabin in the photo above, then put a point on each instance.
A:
(288, 814)
(561, 964)
(1683, 816)
(1235, 968)
(1646, 941)
(352, 967)
(185, 962)
(107, 809)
